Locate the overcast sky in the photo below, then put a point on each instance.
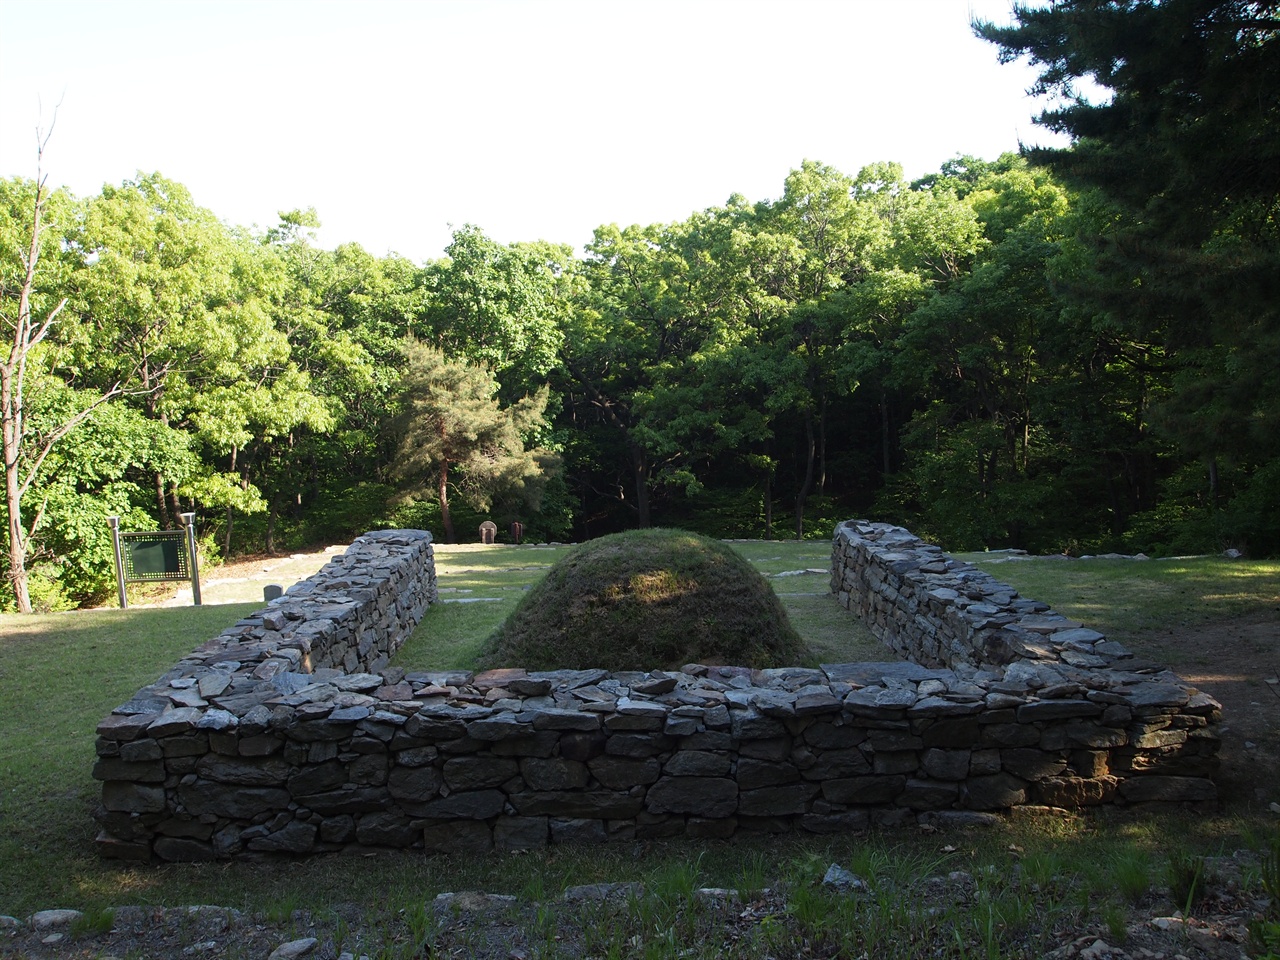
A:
(534, 119)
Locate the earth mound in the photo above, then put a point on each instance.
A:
(644, 600)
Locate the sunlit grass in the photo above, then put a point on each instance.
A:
(1135, 597)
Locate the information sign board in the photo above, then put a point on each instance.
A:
(155, 556)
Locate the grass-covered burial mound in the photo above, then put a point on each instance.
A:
(647, 599)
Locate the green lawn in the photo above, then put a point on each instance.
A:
(60, 674)
(1131, 598)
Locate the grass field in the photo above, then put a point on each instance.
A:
(480, 586)
(1131, 597)
(60, 674)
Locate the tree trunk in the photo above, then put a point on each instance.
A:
(640, 471)
(884, 432)
(26, 334)
(822, 450)
(167, 522)
(807, 486)
(271, 529)
(768, 507)
(162, 502)
(175, 507)
(445, 520)
(226, 541)
(17, 537)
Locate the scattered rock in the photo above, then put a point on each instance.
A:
(603, 891)
(49, 919)
(294, 949)
(845, 881)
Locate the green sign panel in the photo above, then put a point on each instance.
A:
(154, 557)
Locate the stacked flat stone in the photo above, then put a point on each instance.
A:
(351, 615)
(934, 610)
(297, 762)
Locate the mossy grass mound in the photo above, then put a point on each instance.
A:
(644, 600)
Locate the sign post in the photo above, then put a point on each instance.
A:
(189, 521)
(156, 556)
(115, 546)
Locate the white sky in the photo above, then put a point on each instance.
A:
(534, 119)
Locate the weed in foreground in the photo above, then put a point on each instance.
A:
(752, 877)
(93, 923)
(1116, 919)
(1264, 939)
(1186, 877)
(1131, 873)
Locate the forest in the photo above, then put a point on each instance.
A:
(1063, 350)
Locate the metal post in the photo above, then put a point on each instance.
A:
(189, 521)
(115, 546)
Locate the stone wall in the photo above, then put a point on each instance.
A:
(256, 745)
(1123, 729)
(317, 645)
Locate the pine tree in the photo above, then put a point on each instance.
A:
(1184, 145)
(455, 435)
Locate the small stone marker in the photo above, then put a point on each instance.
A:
(272, 591)
(517, 531)
(488, 531)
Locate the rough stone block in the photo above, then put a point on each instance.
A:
(459, 837)
(1143, 789)
(946, 764)
(578, 830)
(619, 773)
(834, 765)
(704, 796)
(697, 763)
(826, 735)
(752, 773)
(520, 833)
(864, 790)
(995, 792)
(554, 773)
(478, 772)
(577, 804)
(1074, 792)
(928, 794)
(781, 801)
(1030, 764)
(387, 829)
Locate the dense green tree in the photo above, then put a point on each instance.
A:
(455, 435)
(637, 355)
(502, 306)
(344, 314)
(42, 396)
(1182, 137)
(169, 292)
(803, 248)
(979, 351)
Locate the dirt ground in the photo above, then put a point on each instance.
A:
(1237, 662)
(242, 580)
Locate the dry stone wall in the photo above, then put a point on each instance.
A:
(1093, 723)
(289, 734)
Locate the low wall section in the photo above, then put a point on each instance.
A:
(289, 734)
